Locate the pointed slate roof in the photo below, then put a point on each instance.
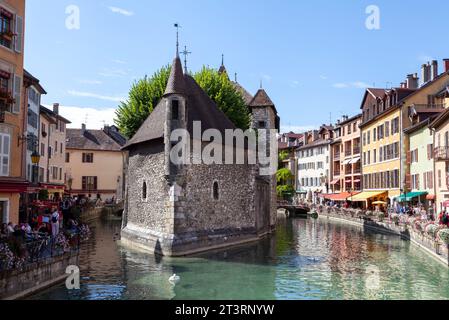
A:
(199, 105)
(175, 83)
(247, 97)
(261, 99)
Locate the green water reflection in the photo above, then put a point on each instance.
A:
(306, 259)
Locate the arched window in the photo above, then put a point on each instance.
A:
(144, 191)
(215, 190)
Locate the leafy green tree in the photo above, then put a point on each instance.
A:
(221, 90)
(146, 93)
(284, 177)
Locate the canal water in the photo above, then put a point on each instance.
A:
(306, 259)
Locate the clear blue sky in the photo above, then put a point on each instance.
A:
(314, 57)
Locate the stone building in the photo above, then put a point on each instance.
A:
(181, 209)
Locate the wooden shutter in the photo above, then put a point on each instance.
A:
(408, 181)
(96, 183)
(17, 87)
(409, 157)
(84, 183)
(18, 43)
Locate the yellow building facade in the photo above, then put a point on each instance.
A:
(12, 109)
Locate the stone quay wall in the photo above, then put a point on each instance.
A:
(16, 284)
(429, 244)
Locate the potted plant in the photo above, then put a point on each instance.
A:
(443, 235)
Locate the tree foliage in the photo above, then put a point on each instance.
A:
(221, 90)
(143, 97)
(146, 93)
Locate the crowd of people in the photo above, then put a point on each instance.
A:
(47, 223)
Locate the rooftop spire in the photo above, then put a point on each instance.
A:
(222, 59)
(185, 53)
(177, 26)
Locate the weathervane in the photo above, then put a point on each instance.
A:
(177, 26)
(185, 53)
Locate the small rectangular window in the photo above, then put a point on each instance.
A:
(67, 157)
(262, 124)
(175, 110)
(88, 157)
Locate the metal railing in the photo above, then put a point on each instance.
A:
(26, 250)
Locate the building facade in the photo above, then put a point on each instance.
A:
(314, 164)
(94, 163)
(12, 109)
(386, 114)
(420, 162)
(52, 148)
(345, 156)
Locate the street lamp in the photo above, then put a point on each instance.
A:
(35, 157)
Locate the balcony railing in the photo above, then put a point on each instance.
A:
(336, 173)
(441, 153)
(356, 151)
(337, 156)
(427, 107)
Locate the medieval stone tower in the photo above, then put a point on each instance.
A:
(179, 209)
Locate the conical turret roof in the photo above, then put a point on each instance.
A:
(175, 83)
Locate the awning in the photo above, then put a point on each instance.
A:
(335, 181)
(409, 196)
(355, 160)
(340, 196)
(430, 197)
(356, 180)
(367, 195)
(346, 162)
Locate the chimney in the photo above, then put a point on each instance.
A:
(446, 65)
(434, 71)
(83, 128)
(56, 108)
(412, 81)
(425, 69)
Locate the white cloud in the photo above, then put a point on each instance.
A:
(89, 81)
(340, 85)
(322, 77)
(296, 129)
(96, 118)
(295, 84)
(360, 84)
(355, 84)
(121, 11)
(424, 58)
(118, 61)
(95, 95)
(110, 73)
(266, 77)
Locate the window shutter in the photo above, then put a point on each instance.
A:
(408, 181)
(409, 156)
(17, 86)
(18, 43)
(84, 183)
(95, 183)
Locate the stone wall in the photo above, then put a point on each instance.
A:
(147, 166)
(34, 277)
(197, 209)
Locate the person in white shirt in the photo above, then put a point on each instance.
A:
(55, 223)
